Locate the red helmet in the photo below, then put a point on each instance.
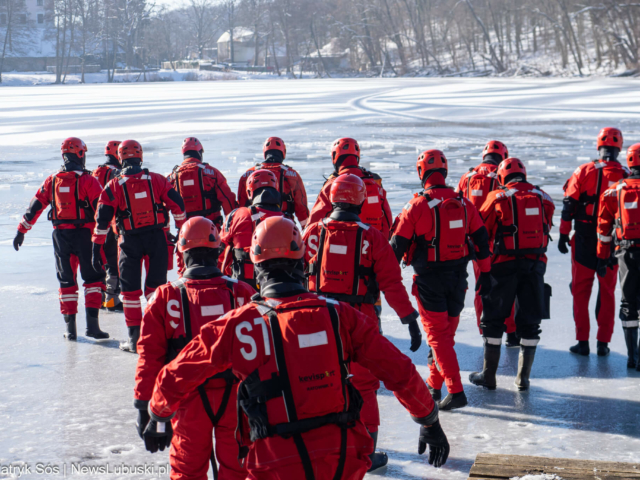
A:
(274, 143)
(111, 148)
(74, 145)
(633, 155)
(344, 146)
(260, 179)
(348, 189)
(130, 149)
(494, 146)
(610, 137)
(509, 167)
(198, 232)
(276, 237)
(431, 160)
(192, 143)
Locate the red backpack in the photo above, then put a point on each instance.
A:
(628, 217)
(525, 231)
(143, 210)
(372, 212)
(337, 269)
(190, 183)
(477, 187)
(66, 205)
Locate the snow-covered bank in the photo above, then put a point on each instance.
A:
(62, 403)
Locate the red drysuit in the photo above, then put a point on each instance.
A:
(302, 343)
(344, 246)
(432, 233)
(165, 331)
(582, 194)
(290, 186)
(73, 196)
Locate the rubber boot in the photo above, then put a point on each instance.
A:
(71, 333)
(487, 378)
(93, 325)
(603, 349)
(525, 361)
(436, 393)
(631, 339)
(131, 344)
(453, 401)
(581, 348)
(378, 459)
(512, 340)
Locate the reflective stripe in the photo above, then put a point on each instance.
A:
(493, 341)
(511, 192)
(97, 231)
(145, 177)
(364, 226)
(26, 224)
(122, 180)
(70, 296)
(492, 174)
(92, 290)
(527, 342)
(434, 202)
(180, 216)
(257, 216)
(630, 323)
(604, 238)
(229, 279)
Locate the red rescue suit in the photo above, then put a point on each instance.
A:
(140, 201)
(210, 408)
(432, 234)
(293, 354)
(375, 211)
(290, 186)
(237, 233)
(475, 186)
(352, 262)
(518, 218)
(582, 193)
(73, 196)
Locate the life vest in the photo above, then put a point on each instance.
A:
(589, 201)
(627, 222)
(304, 384)
(66, 205)
(446, 243)
(178, 342)
(142, 212)
(476, 186)
(336, 270)
(104, 173)
(198, 201)
(525, 231)
(281, 171)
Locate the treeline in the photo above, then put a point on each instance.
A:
(378, 37)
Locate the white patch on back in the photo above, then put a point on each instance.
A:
(313, 339)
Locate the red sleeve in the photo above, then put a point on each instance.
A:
(409, 217)
(323, 206)
(243, 293)
(475, 224)
(299, 198)
(242, 188)
(310, 239)
(224, 194)
(387, 221)
(572, 190)
(108, 204)
(490, 216)
(460, 187)
(389, 275)
(152, 345)
(606, 218)
(38, 204)
(164, 187)
(237, 233)
(92, 189)
(386, 362)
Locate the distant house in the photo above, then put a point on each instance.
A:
(332, 55)
(244, 46)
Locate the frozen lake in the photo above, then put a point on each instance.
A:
(64, 403)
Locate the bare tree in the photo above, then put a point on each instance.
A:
(15, 23)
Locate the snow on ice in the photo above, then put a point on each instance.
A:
(71, 403)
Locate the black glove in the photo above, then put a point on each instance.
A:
(483, 285)
(173, 239)
(142, 422)
(602, 267)
(438, 444)
(96, 257)
(563, 243)
(416, 336)
(157, 435)
(17, 242)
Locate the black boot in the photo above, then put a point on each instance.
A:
(113, 305)
(581, 348)
(487, 378)
(525, 361)
(436, 394)
(70, 320)
(603, 349)
(631, 339)
(453, 401)
(93, 325)
(378, 459)
(131, 344)
(512, 340)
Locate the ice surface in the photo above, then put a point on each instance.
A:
(64, 403)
